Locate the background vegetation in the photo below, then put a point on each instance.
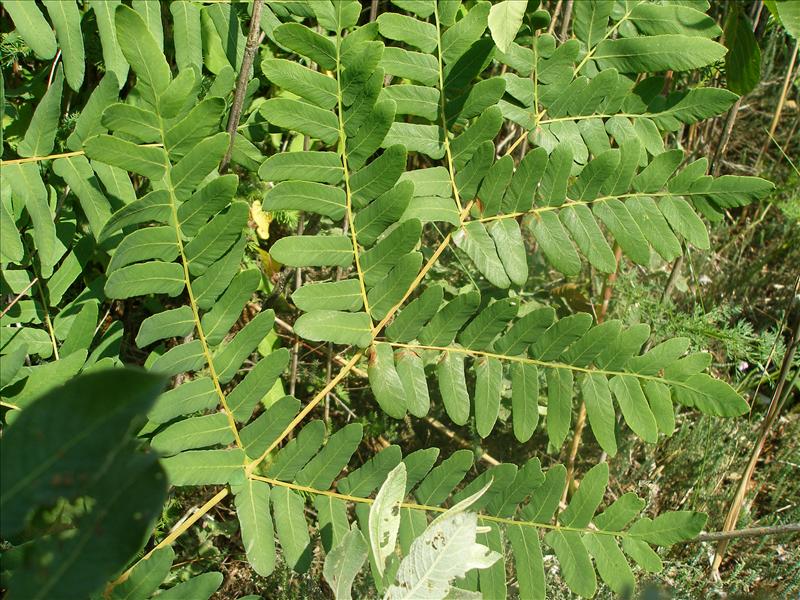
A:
(737, 300)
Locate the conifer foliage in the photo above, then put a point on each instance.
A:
(440, 128)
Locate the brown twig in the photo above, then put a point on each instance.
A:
(566, 20)
(747, 532)
(554, 18)
(759, 9)
(242, 81)
(672, 279)
(608, 286)
(722, 146)
(328, 374)
(19, 296)
(53, 69)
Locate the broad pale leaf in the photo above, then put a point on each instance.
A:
(505, 19)
(446, 550)
(384, 516)
(343, 563)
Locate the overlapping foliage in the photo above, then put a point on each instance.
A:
(402, 120)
